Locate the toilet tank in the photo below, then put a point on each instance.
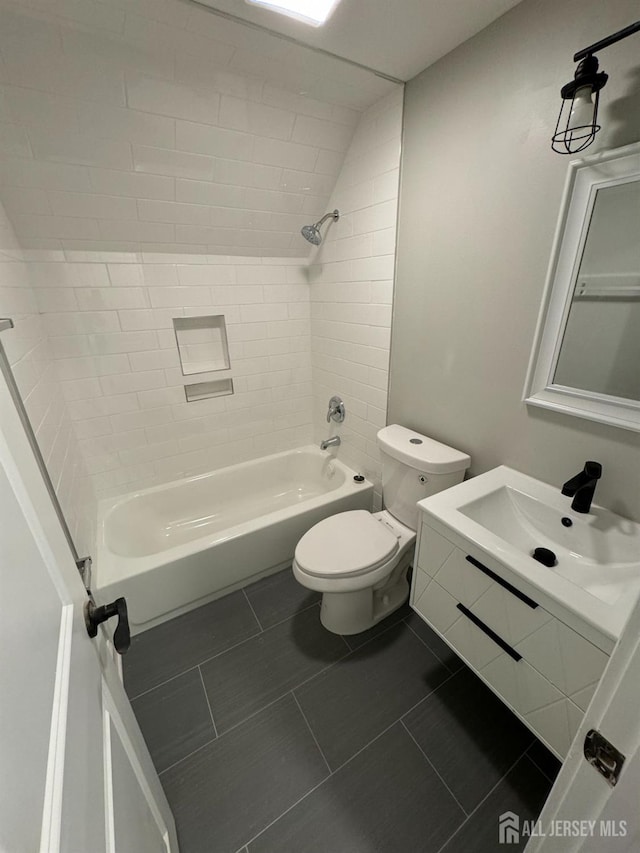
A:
(414, 467)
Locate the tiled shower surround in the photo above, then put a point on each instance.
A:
(113, 338)
(157, 162)
(352, 288)
(108, 317)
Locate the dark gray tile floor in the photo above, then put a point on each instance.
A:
(272, 735)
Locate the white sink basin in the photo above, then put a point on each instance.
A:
(599, 552)
(509, 515)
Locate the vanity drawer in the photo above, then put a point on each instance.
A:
(499, 604)
(560, 654)
(456, 623)
(556, 651)
(537, 701)
(512, 616)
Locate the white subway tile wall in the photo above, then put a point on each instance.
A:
(133, 125)
(110, 327)
(352, 289)
(31, 361)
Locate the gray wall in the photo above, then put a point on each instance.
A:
(480, 196)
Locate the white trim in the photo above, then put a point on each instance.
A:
(584, 178)
(54, 786)
(109, 816)
(113, 717)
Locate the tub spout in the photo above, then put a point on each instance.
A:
(330, 442)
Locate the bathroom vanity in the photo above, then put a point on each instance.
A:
(539, 636)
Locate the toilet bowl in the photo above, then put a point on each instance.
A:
(358, 559)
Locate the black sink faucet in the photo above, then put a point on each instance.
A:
(582, 486)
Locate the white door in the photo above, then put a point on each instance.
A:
(584, 812)
(75, 774)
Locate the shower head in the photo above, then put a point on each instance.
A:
(312, 232)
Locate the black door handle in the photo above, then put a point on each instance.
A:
(94, 616)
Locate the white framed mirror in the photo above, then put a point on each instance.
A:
(586, 355)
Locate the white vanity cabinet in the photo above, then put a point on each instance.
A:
(544, 670)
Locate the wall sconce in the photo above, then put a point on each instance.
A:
(577, 123)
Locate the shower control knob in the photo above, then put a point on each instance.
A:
(94, 616)
(337, 411)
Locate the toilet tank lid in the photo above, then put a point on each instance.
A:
(421, 452)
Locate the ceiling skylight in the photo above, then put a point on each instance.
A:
(314, 12)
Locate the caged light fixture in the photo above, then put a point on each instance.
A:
(577, 123)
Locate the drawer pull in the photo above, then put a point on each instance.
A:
(512, 589)
(496, 639)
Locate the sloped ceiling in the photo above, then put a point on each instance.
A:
(399, 38)
(157, 125)
(150, 125)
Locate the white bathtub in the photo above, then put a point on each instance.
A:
(170, 548)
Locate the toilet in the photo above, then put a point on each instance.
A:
(358, 559)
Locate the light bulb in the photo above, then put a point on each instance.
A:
(581, 115)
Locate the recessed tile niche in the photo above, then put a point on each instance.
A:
(204, 349)
(203, 390)
(202, 343)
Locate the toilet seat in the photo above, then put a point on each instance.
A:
(346, 545)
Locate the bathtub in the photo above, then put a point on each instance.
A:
(174, 547)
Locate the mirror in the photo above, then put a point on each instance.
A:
(586, 357)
